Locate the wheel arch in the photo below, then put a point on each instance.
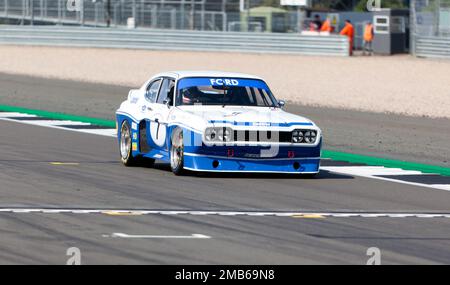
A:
(134, 126)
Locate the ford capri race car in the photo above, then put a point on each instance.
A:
(215, 121)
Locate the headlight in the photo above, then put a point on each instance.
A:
(219, 134)
(297, 136)
(310, 136)
(210, 134)
(224, 134)
(304, 136)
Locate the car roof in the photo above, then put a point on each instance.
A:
(207, 73)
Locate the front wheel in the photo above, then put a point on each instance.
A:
(177, 153)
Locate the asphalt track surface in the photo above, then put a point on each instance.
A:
(90, 177)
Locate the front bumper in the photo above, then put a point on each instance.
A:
(286, 159)
(226, 164)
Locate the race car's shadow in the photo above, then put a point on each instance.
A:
(323, 174)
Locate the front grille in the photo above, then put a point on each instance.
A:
(262, 136)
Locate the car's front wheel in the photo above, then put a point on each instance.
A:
(177, 152)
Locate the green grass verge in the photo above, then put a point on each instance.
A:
(59, 116)
(334, 155)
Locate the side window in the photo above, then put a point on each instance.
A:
(166, 91)
(152, 91)
(258, 97)
(266, 97)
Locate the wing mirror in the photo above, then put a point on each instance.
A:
(281, 103)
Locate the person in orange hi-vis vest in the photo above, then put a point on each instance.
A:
(368, 39)
(326, 26)
(349, 31)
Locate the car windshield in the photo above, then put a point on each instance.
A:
(224, 91)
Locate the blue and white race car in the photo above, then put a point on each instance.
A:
(215, 121)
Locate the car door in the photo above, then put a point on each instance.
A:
(147, 109)
(160, 113)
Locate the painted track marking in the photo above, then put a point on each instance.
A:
(60, 124)
(373, 172)
(64, 163)
(309, 216)
(127, 236)
(291, 214)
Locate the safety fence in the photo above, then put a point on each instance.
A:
(145, 13)
(430, 22)
(204, 15)
(333, 45)
(433, 47)
(201, 15)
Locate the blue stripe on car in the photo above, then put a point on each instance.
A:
(259, 124)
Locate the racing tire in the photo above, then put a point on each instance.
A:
(125, 145)
(177, 152)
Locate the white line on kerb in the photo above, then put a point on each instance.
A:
(122, 235)
(373, 171)
(108, 132)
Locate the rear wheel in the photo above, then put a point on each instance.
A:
(125, 145)
(177, 153)
(126, 149)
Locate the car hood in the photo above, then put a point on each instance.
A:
(243, 115)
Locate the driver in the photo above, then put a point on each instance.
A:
(190, 95)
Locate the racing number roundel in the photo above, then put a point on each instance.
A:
(158, 132)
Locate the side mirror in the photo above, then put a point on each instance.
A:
(281, 103)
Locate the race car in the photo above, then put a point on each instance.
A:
(215, 121)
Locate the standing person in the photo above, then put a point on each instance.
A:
(108, 13)
(316, 24)
(368, 39)
(326, 26)
(349, 31)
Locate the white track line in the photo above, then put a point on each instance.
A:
(49, 123)
(370, 170)
(13, 114)
(122, 235)
(442, 186)
(100, 132)
(126, 212)
(108, 132)
(354, 171)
